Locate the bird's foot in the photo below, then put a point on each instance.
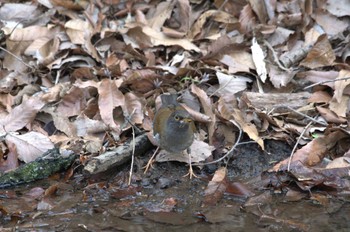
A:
(150, 161)
(191, 173)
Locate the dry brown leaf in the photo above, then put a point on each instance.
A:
(72, 103)
(11, 162)
(86, 126)
(76, 30)
(17, 12)
(258, 58)
(341, 107)
(320, 55)
(134, 105)
(247, 19)
(260, 10)
(216, 188)
(320, 97)
(110, 97)
(238, 61)
(339, 86)
(278, 77)
(30, 146)
(231, 84)
(69, 4)
(319, 76)
(331, 25)
(197, 116)
(226, 106)
(340, 162)
(8, 82)
(17, 48)
(248, 127)
(200, 151)
(215, 15)
(330, 116)
(208, 110)
(161, 14)
(21, 115)
(238, 189)
(158, 38)
(54, 93)
(313, 152)
(334, 7)
(280, 36)
(44, 49)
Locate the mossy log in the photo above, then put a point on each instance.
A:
(51, 162)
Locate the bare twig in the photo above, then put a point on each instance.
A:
(18, 58)
(133, 155)
(230, 151)
(308, 117)
(149, 163)
(268, 45)
(296, 144)
(324, 82)
(222, 87)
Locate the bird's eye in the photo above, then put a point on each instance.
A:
(177, 118)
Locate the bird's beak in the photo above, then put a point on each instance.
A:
(187, 120)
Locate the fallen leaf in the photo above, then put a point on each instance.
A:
(258, 58)
(30, 145)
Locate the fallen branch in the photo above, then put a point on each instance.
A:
(117, 156)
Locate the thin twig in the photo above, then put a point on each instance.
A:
(133, 147)
(222, 87)
(296, 144)
(308, 117)
(230, 151)
(149, 163)
(324, 82)
(268, 45)
(18, 58)
(133, 155)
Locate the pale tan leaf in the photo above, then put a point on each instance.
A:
(313, 152)
(340, 108)
(21, 115)
(29, 33)
(200, 151)
(86, 126)
(320, 55)
(338, 8)
(17, 12)
(216, 187)
(134, 106)
(248, 128)
(231, 84)
(340, 162)
(238, 61)
(77, 29)
(30, 145)
(258, 58)
(162, 13)
(110, 97)
(158, 38)
(339, 86)
(331, 24)
(72, 103)
(208, 110)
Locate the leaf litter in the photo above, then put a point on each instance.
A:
(82, 76)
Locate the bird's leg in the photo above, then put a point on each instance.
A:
(150, 161)
(190, 171)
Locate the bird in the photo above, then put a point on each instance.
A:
(173, 128)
